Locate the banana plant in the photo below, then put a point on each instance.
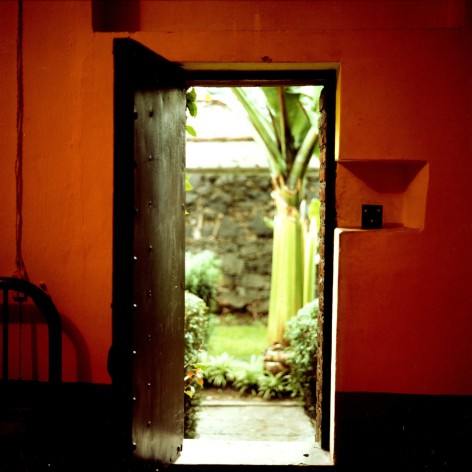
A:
(286, 121)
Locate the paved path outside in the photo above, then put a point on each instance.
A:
(227, 416)
(251, 431)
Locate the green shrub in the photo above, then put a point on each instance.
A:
(248, 375)
(202, 274)
(199, 324)
(274, 385)
(198, 327)
(219, 370)
(302, 339)
(249, 378)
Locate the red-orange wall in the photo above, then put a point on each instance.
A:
(404, 314)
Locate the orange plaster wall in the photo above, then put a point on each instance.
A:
(404, 311)
(68, 177)
(8, 130)
(404, 305)
(67, 174)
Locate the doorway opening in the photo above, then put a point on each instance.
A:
(209, 166)
(149, 245)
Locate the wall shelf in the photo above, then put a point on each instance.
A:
(400, 186)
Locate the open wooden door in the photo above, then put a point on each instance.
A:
(147, 354)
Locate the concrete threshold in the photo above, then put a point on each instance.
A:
(237, 452)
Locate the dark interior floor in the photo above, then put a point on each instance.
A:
(55, 427)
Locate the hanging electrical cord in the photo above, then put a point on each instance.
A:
(20, 271)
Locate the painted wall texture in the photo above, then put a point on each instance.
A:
(404, 306)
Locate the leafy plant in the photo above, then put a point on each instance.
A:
(286, 121)
(248, 378)
(193, 379)
(191, 106)
(220, 370)
(188, 185)
(199, 324)
(248, 375)
(302, 339)
(198, 327)
(202, 274)
(274, 385)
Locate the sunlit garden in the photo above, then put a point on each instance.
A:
(269, 355)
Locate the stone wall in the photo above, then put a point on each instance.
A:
(227, 209)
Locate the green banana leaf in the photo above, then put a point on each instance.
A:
(286, 121)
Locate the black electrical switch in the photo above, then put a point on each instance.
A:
(372, 216)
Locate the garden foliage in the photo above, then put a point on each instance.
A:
(223, 370)
(286, 121)
(248, 378)
(302, 339)
(198, 326)
(202, 274)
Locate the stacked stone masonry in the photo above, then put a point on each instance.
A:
(228, 209)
